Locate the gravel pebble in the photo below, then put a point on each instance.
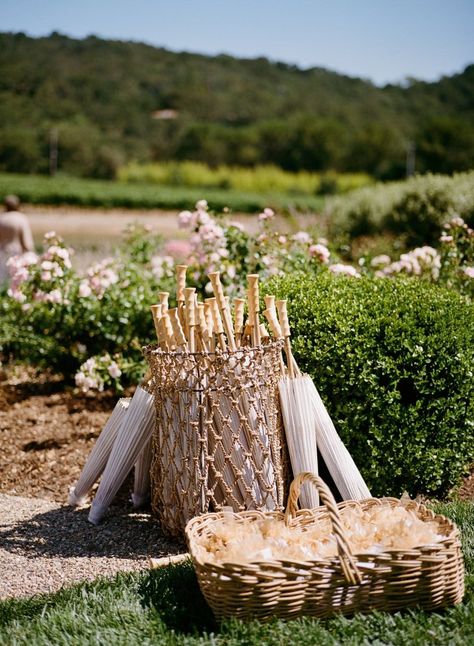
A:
(45, 545)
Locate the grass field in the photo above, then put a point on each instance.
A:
(38, 189)
(166, 607)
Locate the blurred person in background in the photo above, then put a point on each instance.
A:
(15, 234)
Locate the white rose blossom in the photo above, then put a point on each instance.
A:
(347, 270)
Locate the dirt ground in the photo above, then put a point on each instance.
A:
(47, 432)
(86, 227)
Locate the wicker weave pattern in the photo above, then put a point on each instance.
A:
(430, 576)
(218, 438)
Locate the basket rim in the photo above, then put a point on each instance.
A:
(195, 523)
(154, 349)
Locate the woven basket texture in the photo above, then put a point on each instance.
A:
(429, 576)
(218, 439)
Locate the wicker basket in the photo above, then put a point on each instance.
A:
(218, 439)
(430, 576)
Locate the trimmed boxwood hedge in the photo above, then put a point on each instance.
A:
(393, 361)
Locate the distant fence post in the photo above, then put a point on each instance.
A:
(53, 151)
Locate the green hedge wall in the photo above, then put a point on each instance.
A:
(393, 361)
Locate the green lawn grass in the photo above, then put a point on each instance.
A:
(38, 189)
(166, 607)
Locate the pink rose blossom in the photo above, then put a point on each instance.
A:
(57, 271)
(185, 219)
(20, 275)
(18, 296)
(320, 252)
(162, 266)
(457, 222)
(113, 370)
(55, 296)
(203, 218)
(84, 289)
(302, 237)
(179, 249)
(267, 214)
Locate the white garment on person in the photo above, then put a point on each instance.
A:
(15, 238)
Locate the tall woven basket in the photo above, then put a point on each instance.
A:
(218, 439)
(429, 576)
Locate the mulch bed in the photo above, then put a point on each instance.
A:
(47, 431)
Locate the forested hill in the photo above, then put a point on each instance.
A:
(111, 102)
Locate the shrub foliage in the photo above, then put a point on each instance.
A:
(415, 209)
(393, 363)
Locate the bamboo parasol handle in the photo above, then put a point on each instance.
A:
(190, 300)
(202, 327)
(285, 328)
(283, 315)
(167, 326)
(215, 279)
(254, 306)
(156, 314)
(270, 302)
(270, 315)
(181, 282)
(348, 564)
(164, 561)
(239, 305)
(164, 296)
(161, 335)
(166, 339)
(178, 333)
(209, 318)
(218, 327)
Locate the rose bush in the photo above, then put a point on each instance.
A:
(54, 316)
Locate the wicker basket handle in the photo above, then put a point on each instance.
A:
(348, 565)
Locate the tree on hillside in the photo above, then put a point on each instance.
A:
(445, 145)
(101, 96)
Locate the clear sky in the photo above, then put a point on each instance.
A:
(383, 40)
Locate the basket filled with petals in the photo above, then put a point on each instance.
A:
(355, 556)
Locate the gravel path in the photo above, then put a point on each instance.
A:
(45, 546)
